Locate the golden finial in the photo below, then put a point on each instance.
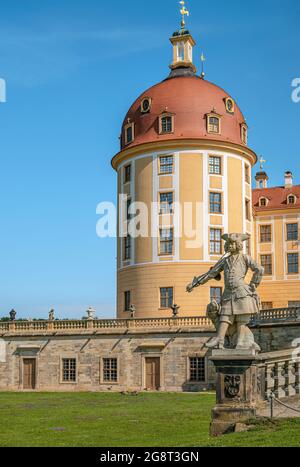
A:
(203, 59)
(184, 12)
(262, 161)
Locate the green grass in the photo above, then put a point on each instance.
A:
(148, 419)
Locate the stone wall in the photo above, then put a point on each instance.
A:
(173, 349)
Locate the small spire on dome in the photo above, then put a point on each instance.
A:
(183, 44)
(262, 162)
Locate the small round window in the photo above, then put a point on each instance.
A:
(146, 105)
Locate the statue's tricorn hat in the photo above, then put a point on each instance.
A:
(235, 237)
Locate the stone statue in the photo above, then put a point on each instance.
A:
(51, 315)
(12, 315)
(239, 300)
(132, 310)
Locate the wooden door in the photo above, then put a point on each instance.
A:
(153, 373)
(29, 373)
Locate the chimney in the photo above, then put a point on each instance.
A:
(288, 179)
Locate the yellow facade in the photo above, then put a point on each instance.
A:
(279, 287)
(149, 270)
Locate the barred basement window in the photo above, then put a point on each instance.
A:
(110, 370)
(166, 165)
(197, 369)
(69, 370)
(166, 297)
(293, 263)
(215, 165)
(265, 233)
(266, 262)
(215, 241)
(292, 232)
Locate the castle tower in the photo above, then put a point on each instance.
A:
(184, 155)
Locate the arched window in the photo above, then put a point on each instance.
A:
(291, 199)
(244, 133)
(129, 133)
(263, 202)
(166, 123)
(214, 123)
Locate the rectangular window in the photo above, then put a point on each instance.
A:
(197, 369)
(214, 125)
(215, 165)
(167, 124)
(127, 248)
(127, 300)
(216, 294)
(248, 210)
(248, 247)
(267, 305)
(247, 174)
(166, 165)
(266, 262)
(110, 370)
(128, 204)
(166, 297)
(166, 203)
(69, 370)
(265, 233)
(292, 232)
(166, 241)
(127, 173)
(215, 241)
(293, 263)
(215, 202)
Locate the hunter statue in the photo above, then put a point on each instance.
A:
(239, 301)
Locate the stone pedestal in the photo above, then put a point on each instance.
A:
(238, 392)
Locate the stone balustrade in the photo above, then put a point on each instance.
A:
(280, 315)
(104, 324)
(280, 373)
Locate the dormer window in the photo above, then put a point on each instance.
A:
(214, 123)
(166, 124)
(244, 133)
(263, 202)
(291, 199)
(129, 133)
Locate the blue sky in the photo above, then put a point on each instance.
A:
(72, 70)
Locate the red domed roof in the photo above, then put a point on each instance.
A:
(189, 98)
